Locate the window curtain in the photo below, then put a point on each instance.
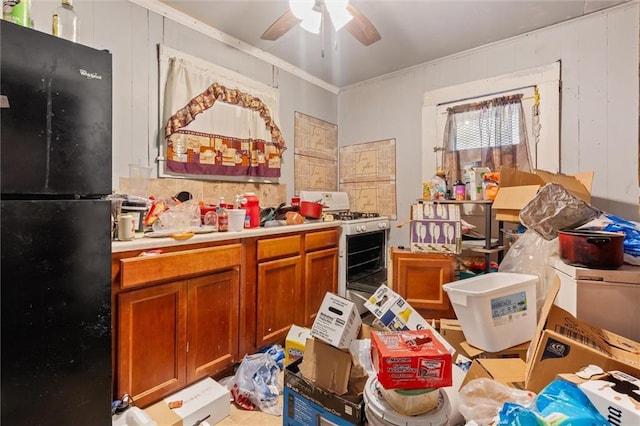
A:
(494, 128)
(217, 122)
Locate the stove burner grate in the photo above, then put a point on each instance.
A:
(349, 215)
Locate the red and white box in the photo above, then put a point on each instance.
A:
(410, 359)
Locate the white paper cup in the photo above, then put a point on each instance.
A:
(236, 219)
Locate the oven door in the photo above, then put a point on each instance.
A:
(366, 263)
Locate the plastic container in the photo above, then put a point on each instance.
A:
(496, 310)
(380, 413)
(251, 204)
(236, 219)
(139, 180)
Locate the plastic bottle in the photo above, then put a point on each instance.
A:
(65, 21)
(251, 204)
(223, 219)
(18, 13)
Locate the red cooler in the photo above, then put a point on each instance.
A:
(252, 205)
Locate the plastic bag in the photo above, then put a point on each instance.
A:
(528, 255)
(481, 399)
(255, 384)
(559, 404)
(631, 244)
(277, 354)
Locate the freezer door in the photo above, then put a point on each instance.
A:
(56, 131)
(56, 312)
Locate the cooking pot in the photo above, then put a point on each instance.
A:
(592, 249)
(311, 209)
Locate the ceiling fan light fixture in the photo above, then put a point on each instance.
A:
(301, 8)
(312, 21)
(338, 13)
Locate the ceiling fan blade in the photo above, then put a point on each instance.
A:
(280, 26)
(361, 28)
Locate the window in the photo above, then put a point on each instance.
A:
(544, 150)
(478, 128)
(491, 133)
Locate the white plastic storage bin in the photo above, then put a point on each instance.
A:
(496, 310)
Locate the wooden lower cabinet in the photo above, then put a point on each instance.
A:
(418, 277)
(174, 334)
(212, 324)
(176, 319)
(192, 312)
(320, 277)
(152, 330)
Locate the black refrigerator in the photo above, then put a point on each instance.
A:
(55, 278)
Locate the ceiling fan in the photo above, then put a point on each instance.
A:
(311, 13)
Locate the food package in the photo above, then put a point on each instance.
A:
(554, 209)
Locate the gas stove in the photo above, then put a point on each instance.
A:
(337, 207)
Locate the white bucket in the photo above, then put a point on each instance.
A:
(236, 219)
(380, 413)
(496, 310)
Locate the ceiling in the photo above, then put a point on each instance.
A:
(413, 31)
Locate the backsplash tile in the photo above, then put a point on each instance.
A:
(210, 192)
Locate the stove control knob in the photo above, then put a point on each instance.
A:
(359, 228)
(382, 225)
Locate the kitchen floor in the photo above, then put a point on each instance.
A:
(239, 416)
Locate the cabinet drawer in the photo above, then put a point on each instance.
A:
(279, 247)
(320, 240)
(140, 270)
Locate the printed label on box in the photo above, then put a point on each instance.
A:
(508, 308)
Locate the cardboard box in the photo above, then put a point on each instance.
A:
(295, 343)
(615, 394)
(204, 398)
(337, 322)
(326, 366)
(519, 351)
(305, 403)
(508, 371)
(410, 359)
(518, 188)
(452, 332)
(435, 228)
(564, 344)
(397, 314)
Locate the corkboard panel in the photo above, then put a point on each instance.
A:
(368, 174)
(315, 154)
(315, 174)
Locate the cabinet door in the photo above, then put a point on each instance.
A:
(280, 299)
(320, 276)
(152, 342)
(419, 278)
(212, 323)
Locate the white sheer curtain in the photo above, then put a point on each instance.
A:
(492, 133)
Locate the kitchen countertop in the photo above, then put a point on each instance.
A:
(147, 243)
